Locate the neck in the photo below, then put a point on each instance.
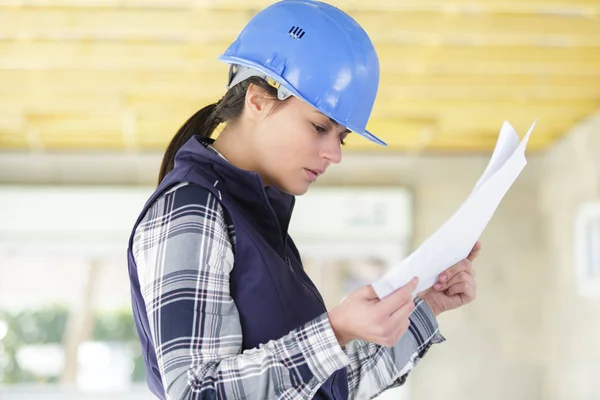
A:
(235, 145)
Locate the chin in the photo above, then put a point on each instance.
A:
(295, 190)
(300, 192)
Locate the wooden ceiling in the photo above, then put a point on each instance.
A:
(123, 75)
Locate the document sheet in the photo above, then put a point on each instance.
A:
(453, 241)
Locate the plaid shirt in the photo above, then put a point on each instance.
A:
(184, 254)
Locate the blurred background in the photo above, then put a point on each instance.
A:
(91, 91)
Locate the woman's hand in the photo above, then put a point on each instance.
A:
(363, 316)
(455, 287)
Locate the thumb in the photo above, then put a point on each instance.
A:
(474, 251)
(368, 292)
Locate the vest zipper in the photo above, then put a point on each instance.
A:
(274, 214)
(313, 293)
(324, 309)
(289, 263)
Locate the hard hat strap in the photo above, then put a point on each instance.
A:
(239, 73)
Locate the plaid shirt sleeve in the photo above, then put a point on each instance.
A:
(374, 369)
(184, 254)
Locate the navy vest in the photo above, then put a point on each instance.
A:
(272, 292)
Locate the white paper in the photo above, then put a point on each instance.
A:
(507, 143)
(454, 240)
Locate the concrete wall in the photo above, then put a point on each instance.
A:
(529, 335)
(495, 345)
(572, 322)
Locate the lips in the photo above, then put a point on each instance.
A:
(316, 171)
(312, 174)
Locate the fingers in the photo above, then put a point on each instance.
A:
(402, 321)
(398, 323)
(368, 292)
(449, 277)
(399, 298)
(445, 277)
(475, 251)
(403, 312)
(464, 265)
(466, 288)
(462, 283)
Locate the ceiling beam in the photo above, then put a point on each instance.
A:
(224, 25)
(566, 7)
(151, 86)
(28, 88)
(104, 131)
(386, 104)
(189, 58)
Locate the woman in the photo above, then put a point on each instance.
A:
(222, 304)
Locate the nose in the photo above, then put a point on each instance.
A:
(332, 149)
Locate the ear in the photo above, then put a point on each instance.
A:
(256, 103)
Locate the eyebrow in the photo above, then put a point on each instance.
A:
(334, 122)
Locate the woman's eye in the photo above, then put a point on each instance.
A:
(343, 137)
(320, 128)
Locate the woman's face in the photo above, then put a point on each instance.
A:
(295, 144)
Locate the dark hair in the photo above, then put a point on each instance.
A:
(205, 121)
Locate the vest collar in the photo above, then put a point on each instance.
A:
(245, 186)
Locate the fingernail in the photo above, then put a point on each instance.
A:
(443, 278)
(415, 279)
(438, 286)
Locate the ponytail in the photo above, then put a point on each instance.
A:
(205, 121)
(202, 123)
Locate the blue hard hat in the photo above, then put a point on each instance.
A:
(314, 51)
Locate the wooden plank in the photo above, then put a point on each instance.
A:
(407, 5)
(213, 25)
(132, 51)
(47, 103)
(401, 135)
(153, 85)
(489, 110)
(387, 92)
(190, 58)
(563, 7)
(384, 107)
(12, 141)
(52, 103)
(112, 24)
(102, 126)
(80, 130)
(473, 142)
(389, 99)
(11, 122)
(46, 56)
(87, 141)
